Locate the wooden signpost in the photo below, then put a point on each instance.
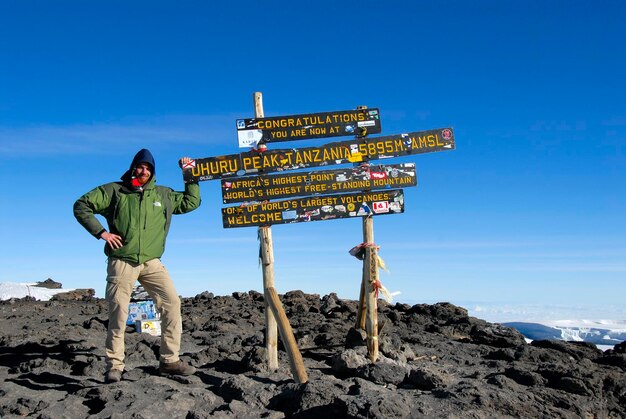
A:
(368, 305)
(257, 178)
(266, 253)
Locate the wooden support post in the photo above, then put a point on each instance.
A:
(267, 261)
(286, 334)
(368, 237)
(361, 311)
(367, 312)
(370, 279)
(271, 330)
(273, 308)
(371, 324)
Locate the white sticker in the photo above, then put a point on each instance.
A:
(249, 138)
(290, 215)
(396, 207)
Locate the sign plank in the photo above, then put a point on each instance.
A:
(360, 178)
(326, 207)
(353, 151)
(359, 122)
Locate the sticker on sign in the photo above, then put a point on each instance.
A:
(249, 138)
(380, 207)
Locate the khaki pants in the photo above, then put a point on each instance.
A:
(121, 277)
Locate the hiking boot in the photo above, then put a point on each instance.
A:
(112, 376)
(176, 368)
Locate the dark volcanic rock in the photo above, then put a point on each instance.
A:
(49, 283)
(383, 372)
(428, 377)
(435, 361)
(76, 295)
(577, 350)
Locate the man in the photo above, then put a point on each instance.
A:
(138, 214)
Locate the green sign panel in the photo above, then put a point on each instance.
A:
(317, 208)
(353, 151)
(358, 122)
(360, 178)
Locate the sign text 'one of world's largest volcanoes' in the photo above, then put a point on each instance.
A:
(273, 129)
(317, 208)
(353, 151)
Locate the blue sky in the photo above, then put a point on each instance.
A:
(526, 215)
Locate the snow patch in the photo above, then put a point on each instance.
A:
(10, 290)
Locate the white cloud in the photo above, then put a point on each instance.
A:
(615, 121)
(548, 314)
(214, 240)
(102, 137)
(460, 245)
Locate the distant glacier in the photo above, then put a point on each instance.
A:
(602, 332)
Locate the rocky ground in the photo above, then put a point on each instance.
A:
(435, 361)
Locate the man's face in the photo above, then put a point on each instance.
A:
(143, 173)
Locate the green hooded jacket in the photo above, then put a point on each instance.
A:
(141, 216)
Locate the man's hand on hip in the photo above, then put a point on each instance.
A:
(113, 240)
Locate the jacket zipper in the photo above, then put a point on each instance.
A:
(141, 213)
(145, 218)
